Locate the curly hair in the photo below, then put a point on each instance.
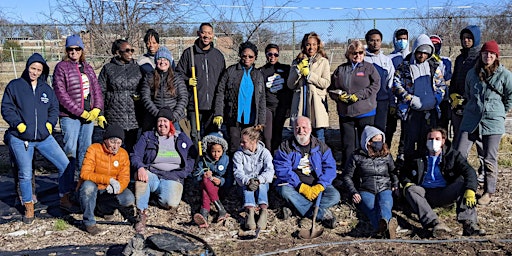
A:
(245, 45)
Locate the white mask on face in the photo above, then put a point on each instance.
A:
(434, 145)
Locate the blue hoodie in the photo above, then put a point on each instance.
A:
(33, 107)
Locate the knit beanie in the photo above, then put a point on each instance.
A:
(436, 39)
(163, 52)
(73, 40)
(113, 131)
(491, 46)
(166, 113)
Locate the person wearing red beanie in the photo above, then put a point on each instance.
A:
(492, 47)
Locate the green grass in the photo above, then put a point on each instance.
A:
(61, 225)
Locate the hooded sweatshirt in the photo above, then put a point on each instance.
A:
(398, 55)
(34, 107)
(248, 165)
(465, 61)
(368, 133)
(386, 70)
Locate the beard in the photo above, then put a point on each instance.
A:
(303, 140)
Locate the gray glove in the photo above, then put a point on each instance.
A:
(114, 187)
(254, 183)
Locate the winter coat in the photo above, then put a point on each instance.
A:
(34, 108)
(363, 81)
(100, 165)
(485, 110)
(277, 95)
(364, 173)
(465, 61)
(209, 66)
(384, 66)
(67, 84)
(318, 80)
(398, 55)
(154, 102)
(287, 159)
(248, 165)
(453, 167)
(119, 82)
(146, 149)
(226, 98)
(205, 162)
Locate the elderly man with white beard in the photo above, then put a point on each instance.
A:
(305, 167)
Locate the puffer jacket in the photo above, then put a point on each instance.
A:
(119, 82)
(67, 84)
(226, 98)
(248, 165)
(100, 165)
(154, 102)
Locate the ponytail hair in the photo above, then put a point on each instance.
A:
(253, 132)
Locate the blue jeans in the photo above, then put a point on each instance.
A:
(169, 192)
(77, 135)
(376, 206)
(330, 197)
(319, 133)
(89, 195)
(51, 150)
(261, 195)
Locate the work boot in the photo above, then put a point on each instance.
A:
(67, 205)
(29, 213)
(392, 226)
(470, 228)
(383, 227)
(140, 226)
(440, 229)
(485, 199)
(329, 220)
(93, 229)
(262, 221)
(222, 211)
(201, 218)
(250, 223)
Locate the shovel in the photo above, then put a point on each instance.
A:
(314, 231)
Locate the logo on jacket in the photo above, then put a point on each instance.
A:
(221, 167)
(116, 163)
(44, 98)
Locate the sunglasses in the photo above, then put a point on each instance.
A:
(128, 50)
(359, 52)
(76, 49)
(270, 54)
(247, 56)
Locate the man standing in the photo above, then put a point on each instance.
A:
(386, 70)
(305, 167)
(209, 64)
(438, 179)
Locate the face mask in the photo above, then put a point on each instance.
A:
(401, 44)
(434, 145)
(376, 145)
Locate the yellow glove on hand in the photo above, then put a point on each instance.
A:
(408, 97)
(102, 121)
(304, 71)
(217, 121)
(316, 189)
(470, 198)
(21, 127)
(192, 82)
(344, 97)
(49, 127)
(353, 98)
(93, 114)
(85, 115)
(304, 63)
(457, 100)
(306, 191)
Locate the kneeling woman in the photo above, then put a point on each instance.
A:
(372, 168)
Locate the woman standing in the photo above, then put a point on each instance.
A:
(163, 88)
(354, 87)
(310, 75)
(80, 99)
(240, 97)
(119, 80)
(489, 97)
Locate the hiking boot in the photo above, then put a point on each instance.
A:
(485, 199)
(250, 223)
(92, 229)
(140, 226)
(201, 218)
(262, 221)
(470, 228)
(440, 229)
(67, 205)
(29, 213)
(392, 226)
(287, 213)
(329, 220)
(383, 227)
(222, 211)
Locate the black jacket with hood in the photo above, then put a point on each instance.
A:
(465, 61)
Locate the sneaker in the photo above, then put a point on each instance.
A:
(441, 229)
(470, 228)
(93, 229)
(485, 199)
(329, 220)
(392, 227)
(287, 213)
(481, 178)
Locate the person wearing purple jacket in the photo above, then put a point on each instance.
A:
(80, 101)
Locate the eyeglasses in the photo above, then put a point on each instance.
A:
(127, 50)
(359, 52)
(247, 56)
(76, 49)
(270, 54)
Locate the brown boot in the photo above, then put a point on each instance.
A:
(29, 213)
(67, 205)
(262, 221)
(250, 223)
(140, 226)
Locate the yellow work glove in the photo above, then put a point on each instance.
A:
(457, 100)
(352, 98)
(470, 198)
(93, 114)
(304, 71)
(217, 121)
(102, 121)
(49, 127)
(85, 115)
(316, 189)
(192, 82)
(344, 97)
(306, 191)
(21, 127)
(304, 63)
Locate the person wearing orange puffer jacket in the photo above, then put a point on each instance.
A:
(105, 175)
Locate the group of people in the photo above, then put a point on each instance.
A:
(163, 124)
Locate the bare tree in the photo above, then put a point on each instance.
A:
(499, 24)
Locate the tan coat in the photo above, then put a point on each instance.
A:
(318, 81)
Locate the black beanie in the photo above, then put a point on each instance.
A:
(113, 130)
(165, 112)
